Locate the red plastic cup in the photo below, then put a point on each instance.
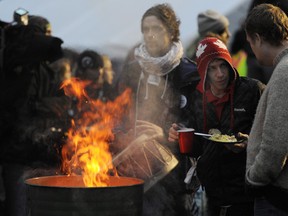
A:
(186, 137)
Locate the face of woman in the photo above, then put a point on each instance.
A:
(156, 37)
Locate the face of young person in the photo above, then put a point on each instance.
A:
(218, 76)
(156, 37)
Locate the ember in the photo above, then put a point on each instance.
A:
(87, 152)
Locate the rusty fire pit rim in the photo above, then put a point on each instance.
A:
(33, 182)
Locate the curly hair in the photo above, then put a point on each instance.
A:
(269, 21)
(167, 16)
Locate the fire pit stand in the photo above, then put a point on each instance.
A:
(67, 196)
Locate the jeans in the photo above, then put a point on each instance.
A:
(264, 208)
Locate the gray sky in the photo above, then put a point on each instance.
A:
(110, 25)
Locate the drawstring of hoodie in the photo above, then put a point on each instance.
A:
(147, 87)
(146, 91)
(165, 87)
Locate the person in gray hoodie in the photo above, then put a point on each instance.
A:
(267, 166)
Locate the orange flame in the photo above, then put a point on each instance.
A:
(87, 147)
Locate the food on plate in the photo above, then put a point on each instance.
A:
(218, 137)
(223, 138)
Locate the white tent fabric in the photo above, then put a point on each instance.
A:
(111, 26)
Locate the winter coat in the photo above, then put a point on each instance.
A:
(222, 172)
(267, 147)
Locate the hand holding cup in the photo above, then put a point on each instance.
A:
(186, 137)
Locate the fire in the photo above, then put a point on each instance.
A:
(87, 148)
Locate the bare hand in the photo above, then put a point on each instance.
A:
(239, 147)
(245, 136)
(173, 134)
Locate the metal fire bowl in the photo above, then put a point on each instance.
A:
(67, 196)
(77, 182)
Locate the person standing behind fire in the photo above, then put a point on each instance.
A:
(164, 75)
(62, 69)
(91, 68)
(266, 29)
(108, 69)
(210, 24)
(226, 102)
(110, 82)
(165, 72)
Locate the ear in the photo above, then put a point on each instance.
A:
(254, 39)
(257, 39)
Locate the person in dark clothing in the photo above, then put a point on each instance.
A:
(91, 69)
(162, 75)
(31, 105)
(210, 24)
(226, 102)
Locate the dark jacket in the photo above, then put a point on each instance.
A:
(221, 171)
(34, 105)
(27, 87)
(161, 104)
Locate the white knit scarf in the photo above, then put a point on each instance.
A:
(159, 66)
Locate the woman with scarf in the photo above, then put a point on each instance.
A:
(158, 75)
(226, 102)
